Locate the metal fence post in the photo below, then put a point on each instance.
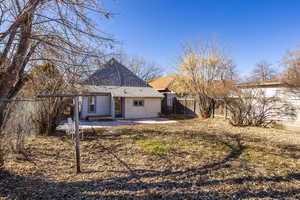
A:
(77, 136)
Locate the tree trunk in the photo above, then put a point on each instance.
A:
(206, 106)
(11, 78)
(51, 127)
(1, 158)
(3, 117)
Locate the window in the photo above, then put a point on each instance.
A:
(91, 104)
(138, 103)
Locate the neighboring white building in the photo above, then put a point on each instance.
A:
(116, 92)
(285, 94)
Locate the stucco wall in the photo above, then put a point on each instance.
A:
(151, 108)
(103, 107)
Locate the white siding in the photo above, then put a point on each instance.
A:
(103, 107)
(268, 92)
(281, 92)
(151, 108)
(291, 98)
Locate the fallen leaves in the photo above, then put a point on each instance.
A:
(202, 159)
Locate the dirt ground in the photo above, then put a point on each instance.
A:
(191, 159)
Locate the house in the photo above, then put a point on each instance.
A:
(185, 103)
(270, 88)
(115, 92)
(164, 86)
(282, 91)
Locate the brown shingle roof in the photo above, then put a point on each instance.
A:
(218, 87)
(162, 82)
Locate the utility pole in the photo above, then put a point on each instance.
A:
(77, 136)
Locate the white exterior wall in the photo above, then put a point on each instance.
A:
(270, 91)
(151, 108)
(292, 98)
(103, 107)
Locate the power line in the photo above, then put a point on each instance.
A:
(14, 100)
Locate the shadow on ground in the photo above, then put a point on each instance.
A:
(130, 184)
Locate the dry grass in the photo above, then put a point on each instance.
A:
(192, 159)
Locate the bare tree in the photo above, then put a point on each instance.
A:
(143, 68)
(202, 69)
(33, 31)
(262, 72)
(47, 79)
(291, 74)
(252, 107)
(231, 73)
(290, 77)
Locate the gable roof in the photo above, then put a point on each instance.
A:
(123, 91)
(116, 80)
(162, 83)
(114, 73)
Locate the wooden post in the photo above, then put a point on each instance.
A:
(213, 114)
(225, 114)
(184, 111)
(175, 104)
(77, 136)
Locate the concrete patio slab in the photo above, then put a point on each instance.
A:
(107, 124)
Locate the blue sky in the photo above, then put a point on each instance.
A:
(250, 30)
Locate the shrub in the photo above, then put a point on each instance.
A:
(251, 107)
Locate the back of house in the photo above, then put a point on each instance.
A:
(116, 92)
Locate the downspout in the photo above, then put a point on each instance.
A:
(112, 106)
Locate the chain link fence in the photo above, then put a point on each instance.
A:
(19, 123)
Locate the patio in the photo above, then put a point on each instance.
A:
(107, 124)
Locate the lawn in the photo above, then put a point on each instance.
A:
(191, 159)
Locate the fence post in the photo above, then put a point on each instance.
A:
(184, 111)
(213, 109)
(175, 106)
(225, 113)
(77, 136)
